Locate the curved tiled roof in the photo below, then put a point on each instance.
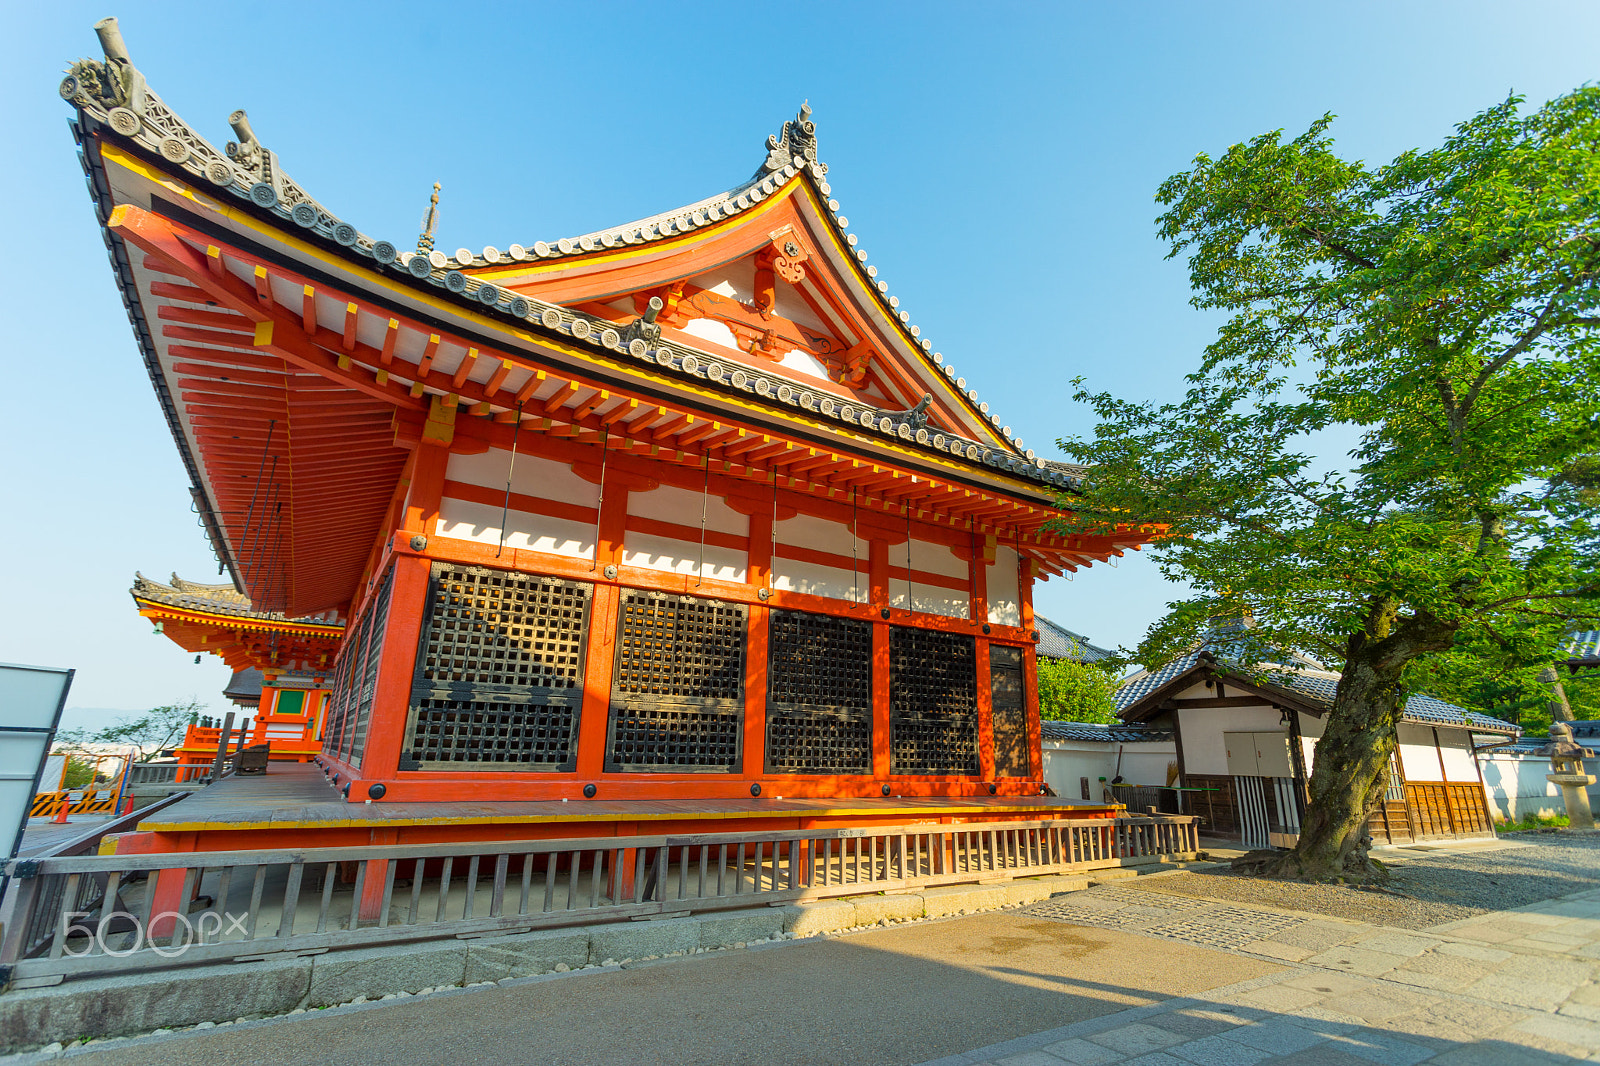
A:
(1104, 734)
(1058, 642)
(1583, 649)
(1317, 686)
(217, 599)
(250, 174)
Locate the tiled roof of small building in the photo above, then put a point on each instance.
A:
(1105, 734)
(1583, 649)
(216, 599)
(1059, 642)
(1315, 685)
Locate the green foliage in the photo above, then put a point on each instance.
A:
(153, 731)
(1071, 691)
(80, 772)
(1440, 313)
(1533, 822)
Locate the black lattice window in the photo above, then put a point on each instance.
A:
(341, 699)
(494, 731)
(677, 696)
(819, 694)
(1009, 712)
(666, 737)
(371, 659)
(933, 702)
(499, 675)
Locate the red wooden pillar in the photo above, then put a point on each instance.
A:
(985, 714)
(377, 875)
(758, 572)
(1030, 668)
(878, 597)
(391, 697)
(168, 901)
(603, 611)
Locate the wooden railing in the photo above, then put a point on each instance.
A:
(154, 911)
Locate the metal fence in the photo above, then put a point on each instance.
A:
(93, 915)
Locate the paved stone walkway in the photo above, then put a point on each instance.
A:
(1504, 988)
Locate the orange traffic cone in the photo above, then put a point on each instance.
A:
(61, 815)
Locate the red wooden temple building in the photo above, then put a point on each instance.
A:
(281, 665)
(685, 509)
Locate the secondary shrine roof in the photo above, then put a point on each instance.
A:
(220, 620)
(221, 600)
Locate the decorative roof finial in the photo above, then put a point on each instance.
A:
(795, 144)
(430, 221)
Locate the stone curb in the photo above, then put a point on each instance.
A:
(116, 1007)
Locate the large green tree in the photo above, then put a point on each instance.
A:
(1436, 316)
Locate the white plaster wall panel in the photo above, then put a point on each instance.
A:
(932, 558)
(788, 303)
(819, 534)
(804, 363)
(1517, 787)
(532, 476)
(930, 599)
(1419, 759)
(735, 280)
(1005, 597)
(813, 579)
(1455, 744)
(709, 329)
(465, 520)
(683, 557)
(683, 507)
(1066, 762)
(1204, 750)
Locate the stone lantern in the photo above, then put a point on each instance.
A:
(1566, 763)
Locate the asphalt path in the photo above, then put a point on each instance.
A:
(893, 996)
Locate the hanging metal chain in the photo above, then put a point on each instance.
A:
(705, 499)
(505, 511)
(855, 561)
(600, 501)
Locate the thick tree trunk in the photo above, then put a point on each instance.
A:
(1560, 709)
(1358, 739)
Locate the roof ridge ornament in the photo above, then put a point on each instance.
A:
(430, 222)
(794, 145)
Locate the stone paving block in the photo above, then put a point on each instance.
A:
(1320, 935)
(1574, 1031)
(1321, 1055)
(1474, 952)
(1155, 1058)
(734, 927)
(1374, 1046)
(1021, 893)
(1112, 873)
(1081, 1052)
(1275, 998)
(1356, 960)
(636, 940)
(1498, 1053)
(340, 976)
(1377, 1004)
(962, 899)
(1060, 883)
(1488, 934)
(1029, 1058)
(1136, 1038)
(1193, 1022)
(496, 958)
(1580, 1010)
(873, 909)
(1278, 1036)
(1450, 1021)
(1551, 970)
(1519, 991)
(1446, 972)
(1274, 950)
(115, 1006)
(1219, 1051)
(1329, 983)
(1394, 942)
(1521, 917)
(824, 916)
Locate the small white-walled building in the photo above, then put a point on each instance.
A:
(1082, 760)
(1248, 745)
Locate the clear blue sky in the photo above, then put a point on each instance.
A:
(998, 161)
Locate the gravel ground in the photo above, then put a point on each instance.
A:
(1443, 887)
